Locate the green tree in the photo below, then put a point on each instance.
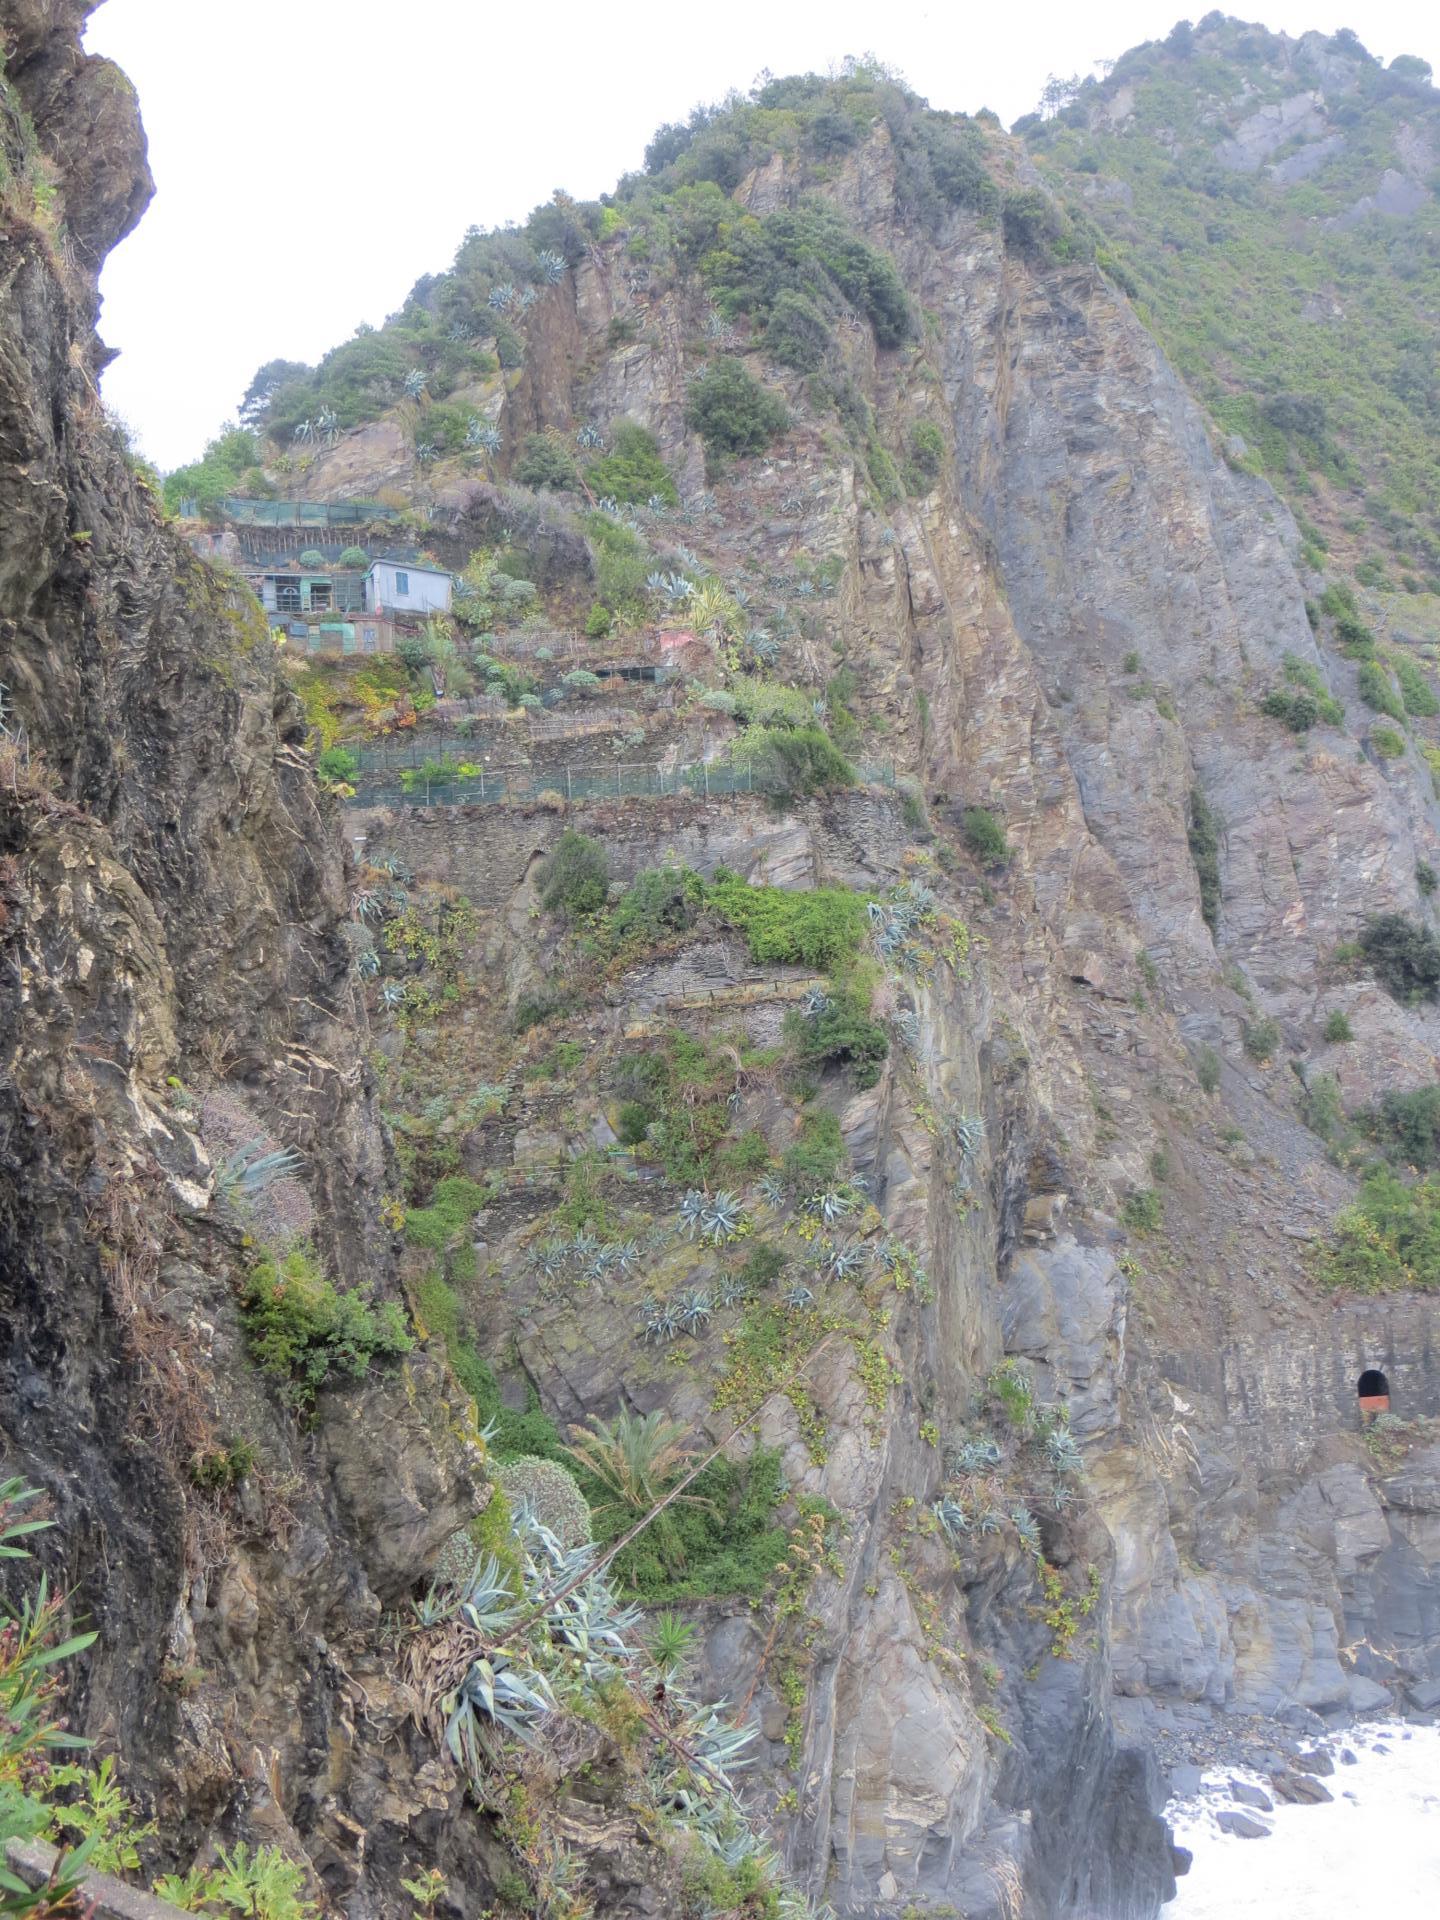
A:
(732, 412)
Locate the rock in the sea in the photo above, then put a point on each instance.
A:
(1185, 1781)
(1300, 1789)
(1251, 1796)
(1242, 1825)
(1181, 1860)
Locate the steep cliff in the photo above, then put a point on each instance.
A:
(1042, 1442)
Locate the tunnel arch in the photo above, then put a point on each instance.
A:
(1372, 1390)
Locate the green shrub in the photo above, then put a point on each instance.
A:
(813, 1163)
(1203, 834)
(552, 1494)
(732, 412)
(1302, 673)
(1416, 692)
(1426, 878)
(633, 1122)
(1207, 1068)
(575, 879)
(925, 457)
(821, 927)
(1143, 1211)
(793, 761)
(796, 333)
(1377, 690)
(631, 469)
(621, 564)
(1389, 1238)
(659, 902)
(1404, 954)
(806, 256)
(354, 558)
(764, 1264)
(1408, 1126)
(1320, 1106)
(729, 1541)
(305, 1333)
(338, 765)
(1337, 1029)
(985, 837)
(1388, 744)
(1293, 707)
(545, 462)
(453, 1207)
(843, 1034)
(598, 622)
(1260, 1037)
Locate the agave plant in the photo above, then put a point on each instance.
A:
(805, 589)
(967, 1130)
(251, 1168)
(591, 1625)
(1062, 1452)
(366, 903)
(397, 870)
(501, 297)
(975, 1456)
(391, 994)
(426, 451)
(658, 505)
(368, 964)
(549, 1261)
(635, 1457)
(845, 1263)
(721, 1219)
(991, 1520)
(792, 504)
(717, 1743)
(459, 333)
(526, 299)
(327, 426)
(907, 1025)
(832, 1206)
(303, 430)
(798, 1296)
(685, 559)
(1062, 1495)
(692, 1211)
(816, 1003)
(1027, 1527)
(495, 1697)
(773, 1190)
(662, 1320)
(589, 436)
(887, 536)
(730, 1290)
(551, 265)
(416, 381)
(695, 1309)
(953, 1519)
(481, 434)
(673, 588)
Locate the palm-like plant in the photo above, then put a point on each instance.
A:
(501, 297)
(799, 1297)
(551, 265)
(416, 382)
(954, 1520)
(635, 1457)
(1027, 1527)
(589, 436)
(721, 1219)
(1062, 1452)
(481, 434)
(662, 1320)
(425, 452)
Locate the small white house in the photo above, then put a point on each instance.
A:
(391, 587)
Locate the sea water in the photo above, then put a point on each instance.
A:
(1373, 1851)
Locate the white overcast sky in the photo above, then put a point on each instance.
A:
(313, 159)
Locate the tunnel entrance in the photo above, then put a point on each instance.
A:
(1373, 1391)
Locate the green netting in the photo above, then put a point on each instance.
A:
(304, 513)
(572, 783)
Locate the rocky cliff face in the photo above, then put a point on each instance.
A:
(173, 893)
(1070, 628)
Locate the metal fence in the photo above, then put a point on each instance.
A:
(490, 786)
(300, 513)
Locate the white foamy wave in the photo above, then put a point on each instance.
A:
(1374, 1849)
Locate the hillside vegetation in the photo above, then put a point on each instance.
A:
(1271, 206)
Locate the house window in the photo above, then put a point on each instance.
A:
(402, 583)
(287, 594)
(370, 638)
(319, 596)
